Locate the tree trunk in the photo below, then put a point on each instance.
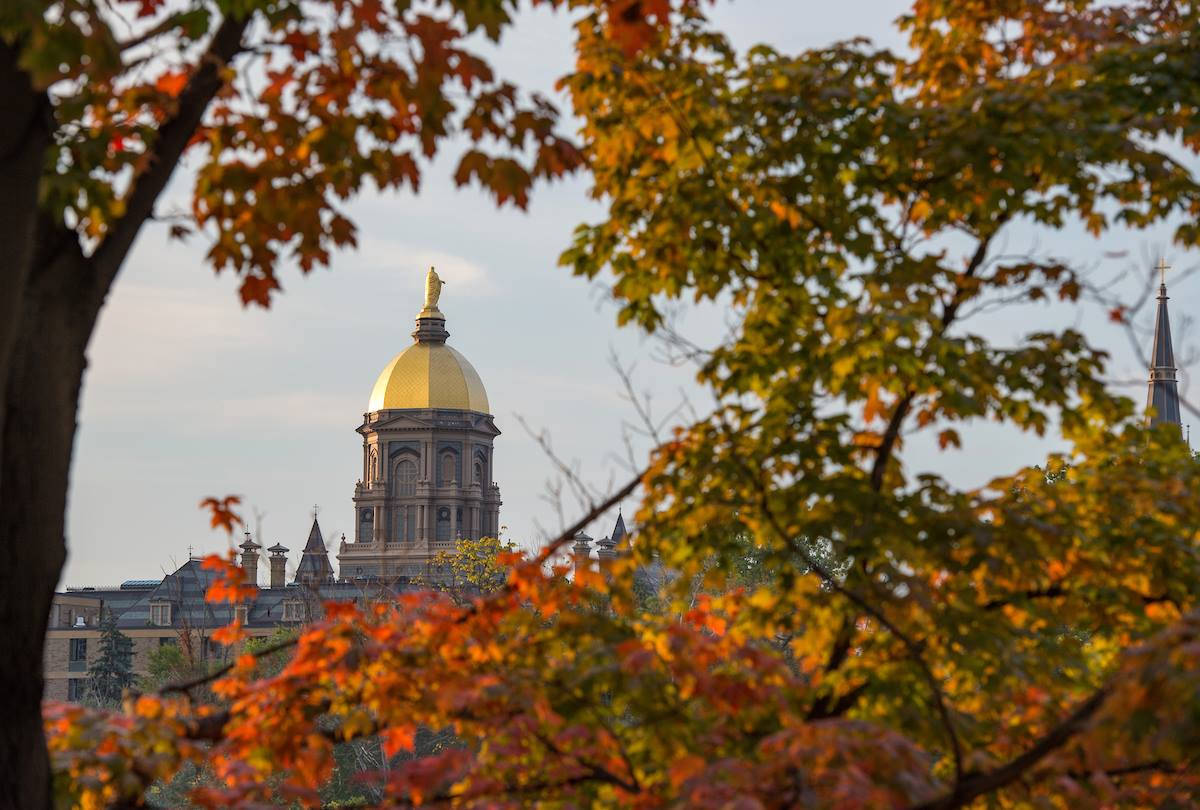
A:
(35, 447)
(50, 299)
(41, 393)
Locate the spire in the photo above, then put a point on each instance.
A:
(619, 532)
(1162, 399)
(314, 565)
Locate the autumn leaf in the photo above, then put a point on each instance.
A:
(171, 84)
(221, 511)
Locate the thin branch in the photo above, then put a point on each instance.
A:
(185, 687)
(913, 647)
(892, 434)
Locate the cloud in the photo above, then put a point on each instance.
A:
(409, 263)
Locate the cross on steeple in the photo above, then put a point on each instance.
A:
(316, 509)
(1162, 268)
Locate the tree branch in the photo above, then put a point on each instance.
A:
(967, 790)
(949, 313)
(911, 646)
(173, 138)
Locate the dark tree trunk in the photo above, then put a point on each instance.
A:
(35, 447)
(50, 299)
(41, 393)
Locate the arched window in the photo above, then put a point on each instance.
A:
(448, 469)
(373, 474)
(443, 524)
(406, 477)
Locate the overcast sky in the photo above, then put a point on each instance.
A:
(188, 394)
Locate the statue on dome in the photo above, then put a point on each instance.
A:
(433, 290)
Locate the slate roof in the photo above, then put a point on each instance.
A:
(1162, 399)
(184, 590)
(314, 564)
(618, 532)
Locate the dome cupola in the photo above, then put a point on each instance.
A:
(429, 374)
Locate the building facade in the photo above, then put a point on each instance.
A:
(173, 610)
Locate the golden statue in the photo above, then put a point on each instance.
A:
(433, 290)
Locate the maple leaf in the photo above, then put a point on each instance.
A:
(222, 515)
(397, 738)
(172, 84)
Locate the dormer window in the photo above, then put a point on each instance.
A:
(160, 614)
(293, 611)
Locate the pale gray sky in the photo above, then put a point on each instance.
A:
(189, 395)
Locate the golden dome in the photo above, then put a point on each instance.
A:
(429, 375)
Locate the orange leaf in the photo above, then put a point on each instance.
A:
(223, 516)
(171, 83)
(397, 739)
(949, 437)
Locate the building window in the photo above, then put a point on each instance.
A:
(242, 612)
(74, 689)
(210, 648)
(443, 524)
(78, 650)
(166, 641)
(406, 478)
(293, 611)
(448, 471)
(160, 614)
(479, 473)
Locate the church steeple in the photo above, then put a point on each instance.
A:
(1162, 400)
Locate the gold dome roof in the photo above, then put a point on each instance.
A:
(429, 375)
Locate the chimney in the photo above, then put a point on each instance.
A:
(250, 559)
(583, 550)
(278, 561)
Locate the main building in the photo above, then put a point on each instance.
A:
(427, 457)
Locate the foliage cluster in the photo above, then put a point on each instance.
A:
(1030, 642)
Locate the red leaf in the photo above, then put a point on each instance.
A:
(257, 290)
